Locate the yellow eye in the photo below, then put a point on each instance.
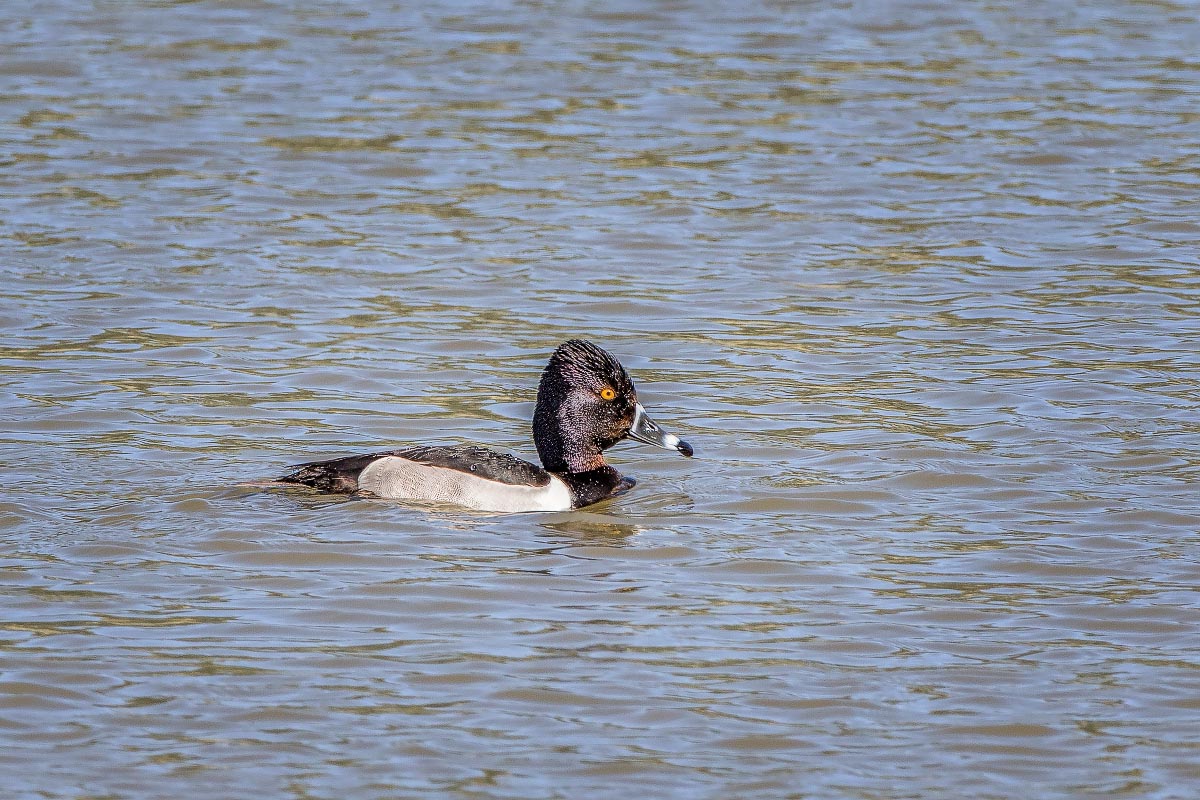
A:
(607, 393)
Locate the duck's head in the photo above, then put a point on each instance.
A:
(586, 403)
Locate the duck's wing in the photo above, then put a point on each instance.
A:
(340, 475)
(482, 462)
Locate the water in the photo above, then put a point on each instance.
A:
(918, 282)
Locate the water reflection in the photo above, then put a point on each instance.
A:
(587, 528)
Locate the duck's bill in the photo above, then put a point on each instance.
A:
(646, 430)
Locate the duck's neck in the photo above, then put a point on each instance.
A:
(560, 445)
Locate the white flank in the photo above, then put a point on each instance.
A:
(400, 479)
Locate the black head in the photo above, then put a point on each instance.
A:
(586, 403)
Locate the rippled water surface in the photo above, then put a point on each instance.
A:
(918, 281)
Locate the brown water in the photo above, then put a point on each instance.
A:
(918, 280)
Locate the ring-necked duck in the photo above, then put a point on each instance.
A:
(586, 403)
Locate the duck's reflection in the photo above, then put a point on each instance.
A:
(590, 528)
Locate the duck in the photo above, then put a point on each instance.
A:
(586, 403)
